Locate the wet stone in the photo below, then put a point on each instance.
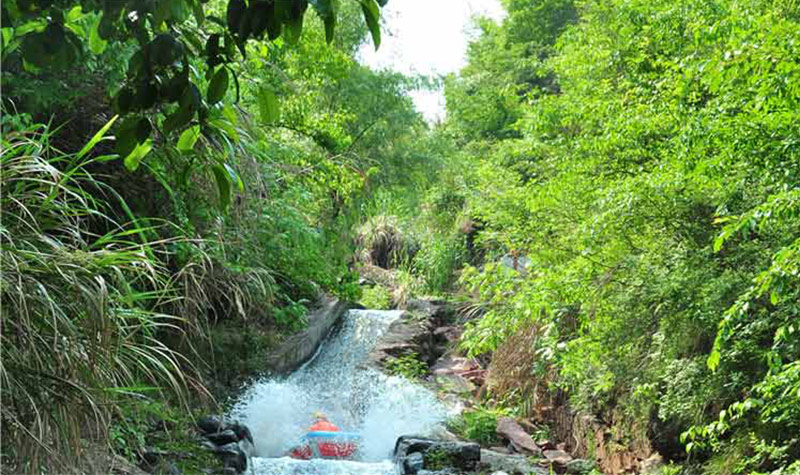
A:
(242, 432)
(210, 423)
(224, 437)
(413, 463)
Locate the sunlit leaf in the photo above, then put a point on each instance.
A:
(268, 105)
(188, 138)
(133, 159)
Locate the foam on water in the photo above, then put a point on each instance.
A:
(357, 399)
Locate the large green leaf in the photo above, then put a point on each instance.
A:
(139, 152)
(177, 120)
(188, 138)
(100, 135)
(268, 105)
(235, 178)
(218, 86)
(96, 44)
(372, 15)
(223, 185)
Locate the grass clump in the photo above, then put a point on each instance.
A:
(82, 302)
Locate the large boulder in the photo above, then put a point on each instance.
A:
(436, 456)
(510, 464)
(414, 332)
(229, 441)
(232, 456)
(508, 429)
(222, 438)
(211, 423)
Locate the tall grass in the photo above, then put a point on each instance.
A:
(81, 295)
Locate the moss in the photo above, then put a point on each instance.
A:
(437, 459)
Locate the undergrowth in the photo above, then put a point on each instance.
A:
(82, 299)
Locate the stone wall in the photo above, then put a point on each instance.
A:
(299, 348)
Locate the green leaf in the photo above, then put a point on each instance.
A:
(218, 86)
(326, 9)
(126, 136)
(139, 152)
(177, 120)
(188, 138)
(235, 178)
(223, 185)
(330, 26)
(268, 105)
(372, 15)
(294, 29)
(97, 137)
(235, 13)
(713, 360)
(96, 44)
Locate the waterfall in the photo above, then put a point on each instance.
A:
(356, 398)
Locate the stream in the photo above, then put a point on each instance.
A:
(356, 398)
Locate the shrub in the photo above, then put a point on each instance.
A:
(479, 424)
(376, 297)
(408, 366)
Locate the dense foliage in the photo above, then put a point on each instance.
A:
(614, 195)
(632, 189)
(158, 240)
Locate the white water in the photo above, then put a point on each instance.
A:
(357, 399)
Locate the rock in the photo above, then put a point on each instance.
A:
(211, 423)
(449, 333)
(172, 469)
(558, 457)
(499, 473)
(476, 376)
(229, 471)
(511, 464)
(436, 310)
(454, 384)
(580, 466)
(508, 429)
(413, 463)
(405, 336)
(545, 444)
(222, 438)
(527, 425)
(207, 444)
(453, 364)
(97, 459)
(437, 455)
(242, 432)
(232, 456)
(652, 464)
(500, 450)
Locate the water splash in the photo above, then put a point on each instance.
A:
(354, 397)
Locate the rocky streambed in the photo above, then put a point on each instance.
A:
(352, 377)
